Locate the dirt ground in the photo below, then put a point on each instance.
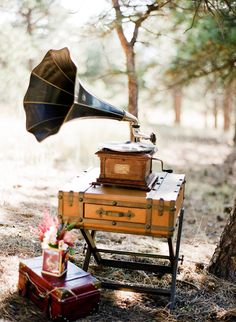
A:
(32, 174)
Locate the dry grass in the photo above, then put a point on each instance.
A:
(32, 174)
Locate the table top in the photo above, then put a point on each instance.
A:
(167, 187)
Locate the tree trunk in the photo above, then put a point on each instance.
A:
(29, 28)
(234, 110)
(223, 261)
(128, 45)
(132, 82)
(177, 103)
(227, 107)
(229, 162)
(215, 112)
(234, 138)
(128, 48)
(234, 107)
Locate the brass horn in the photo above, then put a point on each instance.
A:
(55, 95)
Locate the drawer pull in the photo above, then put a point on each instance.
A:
(103, 212)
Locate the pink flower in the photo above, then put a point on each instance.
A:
(50, 232)
(48, 221)
(45, 225)
(70, 238)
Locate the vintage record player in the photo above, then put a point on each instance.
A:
(56, 95)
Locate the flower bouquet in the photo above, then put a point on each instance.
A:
(57, 241)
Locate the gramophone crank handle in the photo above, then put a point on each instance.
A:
(162, 166)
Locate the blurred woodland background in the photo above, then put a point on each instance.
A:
(172, 63)
(184, 55)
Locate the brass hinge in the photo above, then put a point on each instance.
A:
(161, 207)
(60, 205)
(172, 206)
(71, 198)
(60, 195)
(149, 215)
(81, 206)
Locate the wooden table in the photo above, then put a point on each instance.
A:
(157, 213)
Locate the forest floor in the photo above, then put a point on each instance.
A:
(31, 176)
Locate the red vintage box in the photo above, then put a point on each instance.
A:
(75, 294)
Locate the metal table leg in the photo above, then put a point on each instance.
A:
(176, 260)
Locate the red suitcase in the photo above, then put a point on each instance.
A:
(73, 295)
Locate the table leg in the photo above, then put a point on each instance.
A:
(88, 253)
(176, 260)
(172, 269)
(92, 249)
(171, 250)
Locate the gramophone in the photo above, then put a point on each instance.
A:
(55, 95)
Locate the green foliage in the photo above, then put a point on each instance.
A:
(207, 50)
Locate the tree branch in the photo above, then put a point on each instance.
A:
(195, 14)
(137, 23)
(119, 27)
(152, 7)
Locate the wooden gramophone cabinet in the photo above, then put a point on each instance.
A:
(132, 170)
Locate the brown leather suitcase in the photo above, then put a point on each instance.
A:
(124, 210)
(76, 294)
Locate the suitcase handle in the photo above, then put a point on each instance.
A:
(30, 285)
(162, 166)
(40, 296)
(103, 212)
(31, 289)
